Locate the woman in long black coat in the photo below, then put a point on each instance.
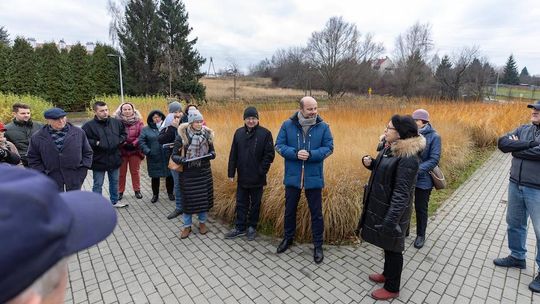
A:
(387, 204)
(194, 148)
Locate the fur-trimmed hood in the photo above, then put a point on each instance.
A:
(182, 131)
(408, 147)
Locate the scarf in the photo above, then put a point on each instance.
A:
(198, 145)
(306, 123)
(58, 136)
(128, 120)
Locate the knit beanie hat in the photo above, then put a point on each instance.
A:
(405, 126)
(420, 114)
(175, 106)
(194, 115)
(251, 112)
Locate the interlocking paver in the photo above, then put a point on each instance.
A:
(144, 260)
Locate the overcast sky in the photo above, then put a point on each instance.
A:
(247, 31)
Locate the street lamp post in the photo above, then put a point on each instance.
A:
(120, 69)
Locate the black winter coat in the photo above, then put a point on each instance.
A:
(252, 153)
(387, 207)
(167, 136)
(196, 183)
(157, 159)
(66, 167)
(110, 134)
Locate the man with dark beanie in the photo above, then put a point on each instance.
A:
(304, 141)
(252, 153)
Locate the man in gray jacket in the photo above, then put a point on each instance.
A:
(21, 129)
(523, 191)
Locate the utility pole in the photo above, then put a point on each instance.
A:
(170, 74)
(120, 69)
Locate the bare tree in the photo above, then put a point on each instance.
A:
(290, 68)
(478, 75)
(336, 49)
(450, 74)
(412, 50)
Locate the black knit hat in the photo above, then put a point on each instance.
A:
(405, 126)
(251, 112)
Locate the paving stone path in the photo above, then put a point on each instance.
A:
(145, 261)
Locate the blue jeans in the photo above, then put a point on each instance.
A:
(177, 194)
(114, 177)
(522, 203)
(203, 216)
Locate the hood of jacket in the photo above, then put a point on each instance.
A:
(408, 147)
(150, 121)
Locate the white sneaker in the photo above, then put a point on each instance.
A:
(120, 205)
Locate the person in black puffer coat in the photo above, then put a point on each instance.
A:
(387, 201)
(194, 148)
(252, 153)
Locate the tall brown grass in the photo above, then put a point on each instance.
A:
(356, 125)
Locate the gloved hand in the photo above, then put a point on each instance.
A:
(212, 155)
(179, 159)
(3, 154)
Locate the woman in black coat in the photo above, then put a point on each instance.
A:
(194, 149)
(387, 204)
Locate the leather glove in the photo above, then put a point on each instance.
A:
(212, 155)
(179, 159)
(3, 153)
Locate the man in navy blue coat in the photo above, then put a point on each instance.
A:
(304, 141)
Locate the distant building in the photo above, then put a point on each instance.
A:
(383, 65)
(61, 45)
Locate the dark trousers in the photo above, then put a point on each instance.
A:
(314, 199)
(169, 185)
(421, 199)
(248, 205)
(393, 266)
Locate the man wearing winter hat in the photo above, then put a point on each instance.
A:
(252, 153)
(428, 161)
(304, 141)
(61, 151)
(40, 230)
(523, 192)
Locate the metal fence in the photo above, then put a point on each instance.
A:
(513, 91)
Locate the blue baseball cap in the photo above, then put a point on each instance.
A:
(39, 226)
(54, 113)
(535, 105)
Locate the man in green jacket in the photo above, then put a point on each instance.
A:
(21, 129)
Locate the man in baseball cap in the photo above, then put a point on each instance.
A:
(40, 229)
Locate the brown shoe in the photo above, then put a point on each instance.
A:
(202, 228)
(185, 232)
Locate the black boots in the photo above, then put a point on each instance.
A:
(318, 255)
(419, 242)
(284, 245)
(154, 199)
(138, 194)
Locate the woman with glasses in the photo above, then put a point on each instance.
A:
(387, 205)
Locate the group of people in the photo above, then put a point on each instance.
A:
(409, 149)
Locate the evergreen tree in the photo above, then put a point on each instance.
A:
(103, 78)
(179, 60)
(140, 38)
(22, 68)
(67, 84)
(524, 72)
(4, 36)
(5, 51)
(510, 73)
(50, 74)
(444, 77)
(80, 77)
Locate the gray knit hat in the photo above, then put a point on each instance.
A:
(175, 106)
(193, 116)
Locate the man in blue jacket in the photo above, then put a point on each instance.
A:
(304, 141)
(523, 191)
(61, 151)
